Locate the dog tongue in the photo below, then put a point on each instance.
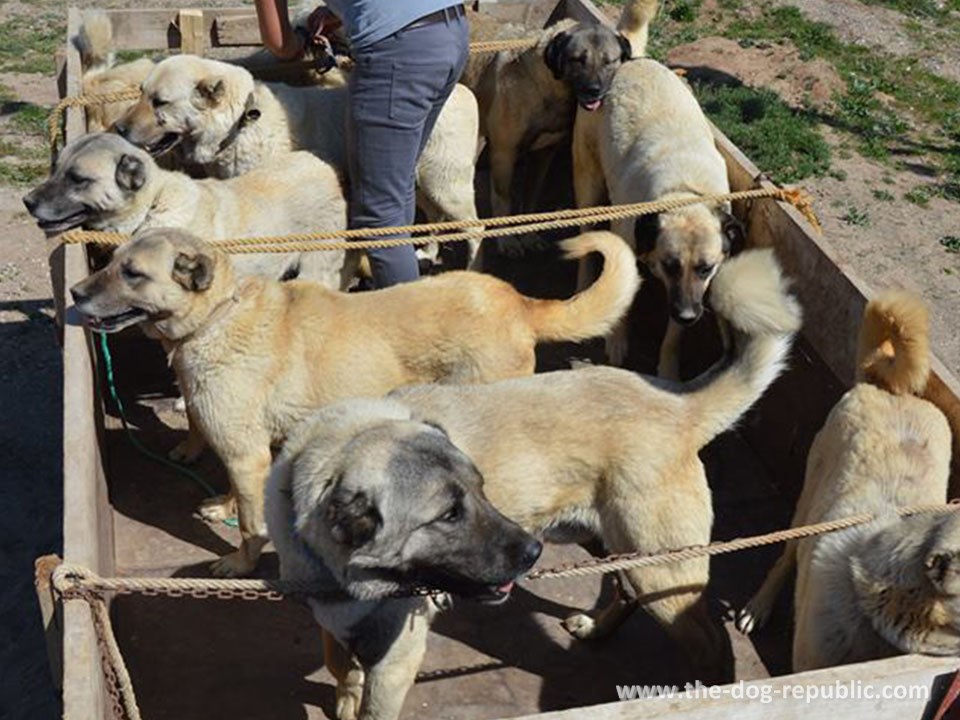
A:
(506, 587)
(592, 105)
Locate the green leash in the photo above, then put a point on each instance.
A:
(156, 457)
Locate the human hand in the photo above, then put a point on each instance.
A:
(321, 23)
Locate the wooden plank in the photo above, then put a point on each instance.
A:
(923, 679)
(157, 29)
(192, 38)
(582, 11)
(50, 613)
(231, 30)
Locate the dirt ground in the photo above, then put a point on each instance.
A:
(888, 242)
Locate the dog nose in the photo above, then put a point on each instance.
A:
(121, 128)
(530, 552)
(687, 315)
(30, 203)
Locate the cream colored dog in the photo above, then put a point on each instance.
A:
(651, 141)
(102, 182)
(253, 357)
(891, 586)
(228, 123)
(602, 453)
(528, 97)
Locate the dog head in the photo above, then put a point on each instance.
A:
(163, 276)
(186, 99)
(586, 58)
(684, 249)
(394, 503)
(95, 181)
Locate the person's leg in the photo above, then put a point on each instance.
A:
(397, 89)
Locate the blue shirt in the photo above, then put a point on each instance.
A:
(368, 21)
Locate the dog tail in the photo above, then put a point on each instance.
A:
(634, 23)
(595, 311)
(894, 346)
(95, 41)
(751, 294)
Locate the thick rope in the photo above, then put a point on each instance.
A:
(116, 676)
(55, 121)
(76, 581)
(493, 46)
(492, 227)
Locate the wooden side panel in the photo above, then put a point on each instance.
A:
(87, 520)
(192, 32)
(922, 679)
(141, 29)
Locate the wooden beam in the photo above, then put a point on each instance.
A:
(229, 30)
(584, 11)
(50, 613)
(192, 38)
(790, 697)
(141, 29)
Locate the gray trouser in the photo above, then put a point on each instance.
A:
(397, 88)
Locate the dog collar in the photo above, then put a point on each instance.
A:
(250, 114)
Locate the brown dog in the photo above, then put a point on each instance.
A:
(253, 357)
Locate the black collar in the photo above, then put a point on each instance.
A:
(250, 114)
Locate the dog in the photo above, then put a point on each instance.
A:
(222, 119)
(367, 500)
(604, 454)
(254, 356)
(528, 97)
(651, 141)
(102, 182)
(890, 586)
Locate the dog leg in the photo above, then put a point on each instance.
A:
(585, 627)
(756, 612)
(387, 682)
(348, 673)
(617, 343)
(188, 450)
(218, 508)
(248, 474)
(503, 161)
(668, 365)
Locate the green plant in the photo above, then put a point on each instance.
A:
(884, 195)
(21, 173)
(951, 243)
(29, 43)
(783, 142)
(856, 216)
(683, 10)
(920, 195)
(30, 118)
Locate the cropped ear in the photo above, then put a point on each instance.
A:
(193, 272)
(131, 173)
(210, 91)
(645, 232)
(734, 234)
(554, 55)
(355, 522)
(626, 49)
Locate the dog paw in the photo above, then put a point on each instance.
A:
(348, 702)
(235, 564)
(752, 617)
(218, 508)
(187, 451)
(180, 405)
(580, 625)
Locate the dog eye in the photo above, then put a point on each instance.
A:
(704, 271)
(130, 273)
(454, 514)
(157, 102)
(77, 179)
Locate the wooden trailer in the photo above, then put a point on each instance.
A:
(124, 515)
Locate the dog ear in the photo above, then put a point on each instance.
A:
(554, 55)
(355, 522)
(734, 234)
(626, 49)
(210, 91)
(193, 272)
(131, 173)
(645, 232)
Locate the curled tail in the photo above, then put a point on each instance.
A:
(893, 352)
(595, 311)
(94, 40)
(751, 294)
(634, 23)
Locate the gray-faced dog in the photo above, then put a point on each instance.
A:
(366, 499)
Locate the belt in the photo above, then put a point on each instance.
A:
(445, 15)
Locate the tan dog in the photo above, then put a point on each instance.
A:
(604, 453)
(528, 97)
(651, 141)
(891, 586)
(253, 357)
(222, 119)
(102, 182)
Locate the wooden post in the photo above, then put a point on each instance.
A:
(50, 613)
(192, 37)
